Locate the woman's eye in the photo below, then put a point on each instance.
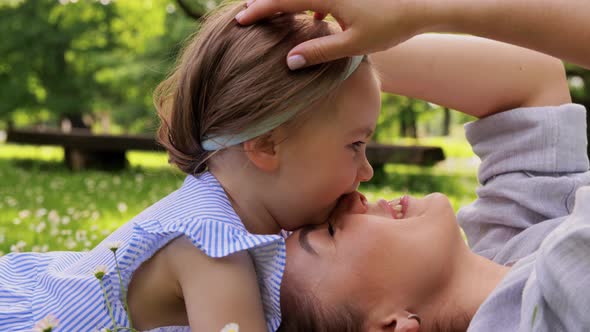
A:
(331, 229)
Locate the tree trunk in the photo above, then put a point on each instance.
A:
(408, 126)
(71, 121)
(446, 130)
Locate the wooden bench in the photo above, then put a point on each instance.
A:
(83, 150)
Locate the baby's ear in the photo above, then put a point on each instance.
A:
(261, 151)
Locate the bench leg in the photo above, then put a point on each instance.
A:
(77, 159)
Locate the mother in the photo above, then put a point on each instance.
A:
(527, 269)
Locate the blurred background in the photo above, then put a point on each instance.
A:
(92, 65)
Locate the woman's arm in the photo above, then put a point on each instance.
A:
(556, 27)
(217, 291)
(473, 75)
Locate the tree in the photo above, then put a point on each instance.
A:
(70, 57)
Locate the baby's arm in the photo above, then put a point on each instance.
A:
(217, 291)
(473, 75)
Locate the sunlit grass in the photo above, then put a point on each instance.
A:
(45, 207)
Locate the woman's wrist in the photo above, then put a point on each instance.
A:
(421, 16)
(456, 16)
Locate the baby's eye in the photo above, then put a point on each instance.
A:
(331, 229)
(356, 146)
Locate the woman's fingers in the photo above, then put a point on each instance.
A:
(260, 9)
(321, 50)
(368, 26)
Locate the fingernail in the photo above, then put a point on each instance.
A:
(240, 14)
(250, 2)
(295, 62)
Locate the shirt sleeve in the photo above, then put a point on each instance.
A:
(532, 162)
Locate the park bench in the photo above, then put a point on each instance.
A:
(83, 149)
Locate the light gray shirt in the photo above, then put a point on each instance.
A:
(533, 213)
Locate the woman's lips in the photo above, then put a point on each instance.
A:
(387, 207)
(398, 207)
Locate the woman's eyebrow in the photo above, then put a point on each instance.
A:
(304, 241)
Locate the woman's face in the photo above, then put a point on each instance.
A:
(380, 257)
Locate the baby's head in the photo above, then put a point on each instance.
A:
(230, 79)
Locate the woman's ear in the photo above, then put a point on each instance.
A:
(262, 152)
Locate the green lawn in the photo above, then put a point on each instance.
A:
(44, 206)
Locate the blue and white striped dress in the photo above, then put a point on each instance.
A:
(34, 285)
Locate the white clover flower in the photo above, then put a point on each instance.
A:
(11, 202)
(231, 327)
(47, 324)
(122, 207)
(65, 220)
(100, 271)
(70, 243)
(40, 227)
(24, 214)
(114, 245)
(53, 217)
(18, 247)
(80, 235)
(41, 212)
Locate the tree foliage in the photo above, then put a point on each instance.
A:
(86, 56)
(104, 58)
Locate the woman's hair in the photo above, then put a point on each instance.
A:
(229, 77)
(302, 311)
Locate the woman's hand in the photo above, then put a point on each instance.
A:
(368, 26)
(556, 27)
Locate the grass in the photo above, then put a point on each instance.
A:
(46, 207)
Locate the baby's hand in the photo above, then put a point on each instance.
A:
(368, 26)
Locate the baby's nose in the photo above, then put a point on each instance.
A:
(354, 202)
